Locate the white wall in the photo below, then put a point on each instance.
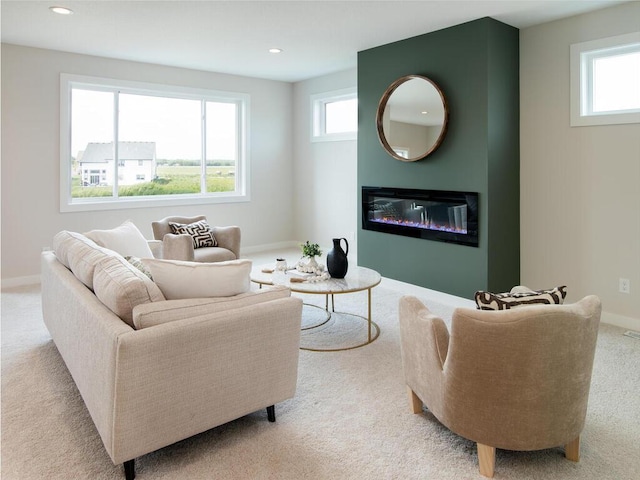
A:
(324, 173)
(580, 187)
(30, 155)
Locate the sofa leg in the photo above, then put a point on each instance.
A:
(130, 469)
(271, 413)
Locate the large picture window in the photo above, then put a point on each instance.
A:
(123, 143)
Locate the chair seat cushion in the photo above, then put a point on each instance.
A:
(213, 254)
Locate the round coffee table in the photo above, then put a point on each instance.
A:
(358, 279)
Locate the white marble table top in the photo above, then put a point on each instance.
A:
(356, 280)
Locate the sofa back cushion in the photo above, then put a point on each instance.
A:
(121, 287)
(79, 254)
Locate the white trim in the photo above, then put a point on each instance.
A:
(579, 87)
(269, 247)
(242, 176)
(620, 321)
(318, 102)
(20, 281)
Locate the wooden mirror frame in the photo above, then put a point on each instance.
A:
(380, 115)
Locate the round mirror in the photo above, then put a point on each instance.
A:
(412, 118)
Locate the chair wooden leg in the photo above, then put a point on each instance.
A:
(572, 450)
(486, 459)
(414, 402)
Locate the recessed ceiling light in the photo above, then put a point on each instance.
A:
(424, 112)
(61, 10)
(275, 50)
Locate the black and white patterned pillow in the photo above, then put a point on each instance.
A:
(520, 298)
(200, 232)
(136, 262)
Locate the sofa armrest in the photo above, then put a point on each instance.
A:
(229, 238)
(185, 377)
(156, 248)
(177, 247)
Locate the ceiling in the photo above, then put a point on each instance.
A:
(317, 37)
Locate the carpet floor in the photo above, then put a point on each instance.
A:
(350, 418)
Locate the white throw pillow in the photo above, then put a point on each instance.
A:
(125, 239)
(179, 279)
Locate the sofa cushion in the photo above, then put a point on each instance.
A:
(82, 255)
(200, 233)
(121, 286)
(63, 241)
(179, 279)
(519, 296)
(125, 239)
(150, 314)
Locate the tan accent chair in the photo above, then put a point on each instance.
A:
(513, 379)
(180, 247)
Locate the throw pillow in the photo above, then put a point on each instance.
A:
(200, 232)
(520, 297)
(125, 239)
(180, 279)
(136, 262)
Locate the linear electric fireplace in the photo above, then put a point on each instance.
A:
(443, 216)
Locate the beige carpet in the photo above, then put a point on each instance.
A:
(350, 418)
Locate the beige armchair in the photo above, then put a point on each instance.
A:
(180, 247)
(512, 379)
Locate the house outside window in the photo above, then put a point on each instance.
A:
(150, 143)
(605, 81)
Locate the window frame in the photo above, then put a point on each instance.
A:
(242, 171)
(318, 115)
(581, 60)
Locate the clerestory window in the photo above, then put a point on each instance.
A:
(335, 116)
(605, 81)
(154, 144)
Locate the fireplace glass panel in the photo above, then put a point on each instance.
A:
(444, 216)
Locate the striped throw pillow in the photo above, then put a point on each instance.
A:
(520, 297)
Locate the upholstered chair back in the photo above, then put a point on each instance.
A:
(161, 227)
(513, 379)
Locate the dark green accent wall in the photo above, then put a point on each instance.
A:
(476, 65)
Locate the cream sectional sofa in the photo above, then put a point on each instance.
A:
(153, 371)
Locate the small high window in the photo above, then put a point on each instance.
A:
(605, 81)
(335, 116)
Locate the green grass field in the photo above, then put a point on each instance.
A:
(171, 180)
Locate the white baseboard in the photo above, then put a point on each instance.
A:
(620, 321)
(268, 247)
(20, 281)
